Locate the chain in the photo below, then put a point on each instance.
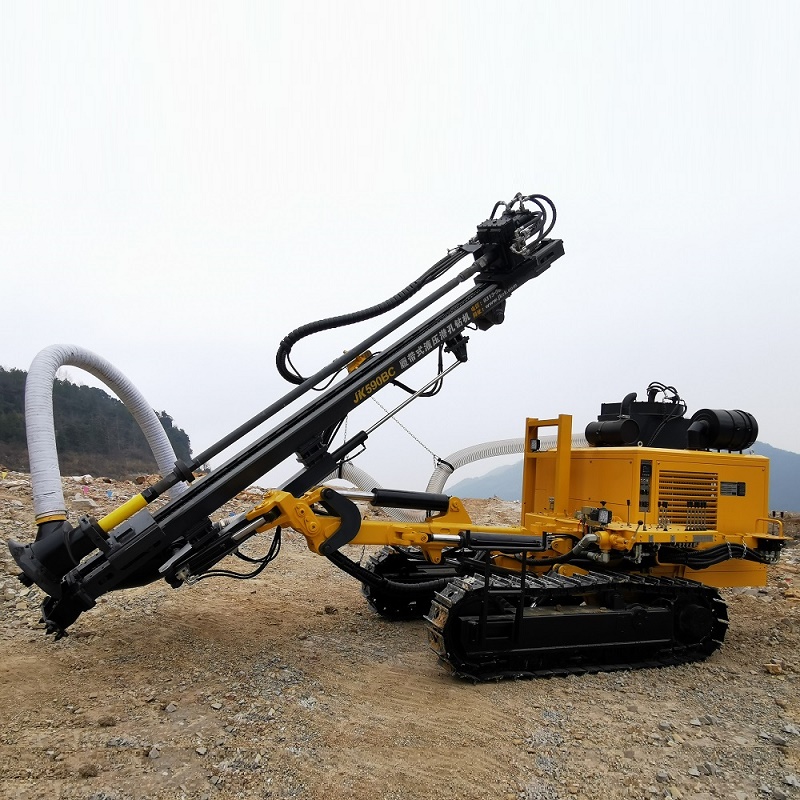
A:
(436, 459)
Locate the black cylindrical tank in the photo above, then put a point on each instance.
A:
(722, 429)
(612, 433)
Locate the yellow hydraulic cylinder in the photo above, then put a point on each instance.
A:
(125, 511)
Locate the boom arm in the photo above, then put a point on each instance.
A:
(134, 547)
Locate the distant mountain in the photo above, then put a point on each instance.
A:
(506, 482)
(784, 477)
(503, 482)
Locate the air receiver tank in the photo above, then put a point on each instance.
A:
(720, 429)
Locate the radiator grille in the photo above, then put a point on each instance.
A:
(688, 498)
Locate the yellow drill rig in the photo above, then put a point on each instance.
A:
(622, 543)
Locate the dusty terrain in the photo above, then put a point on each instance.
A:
(289, 686)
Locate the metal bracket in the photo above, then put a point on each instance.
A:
(348, 512)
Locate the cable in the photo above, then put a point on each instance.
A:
(422, 444)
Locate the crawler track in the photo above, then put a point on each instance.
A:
(402, 566)
(557, 625)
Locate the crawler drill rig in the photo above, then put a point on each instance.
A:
(621, 544)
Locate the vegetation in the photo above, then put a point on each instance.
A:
(95, 433)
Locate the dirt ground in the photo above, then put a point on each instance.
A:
(290, 686)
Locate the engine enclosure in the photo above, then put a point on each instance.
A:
(656, 495)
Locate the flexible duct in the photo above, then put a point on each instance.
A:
(447, 466)
(48, 496)
(476, 452)
(364, 481)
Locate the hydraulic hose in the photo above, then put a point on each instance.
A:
(379, 582)
(285, 347)
(702, 559)
(48, 496)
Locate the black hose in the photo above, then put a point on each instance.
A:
(703, 559)
(285, 347)
(378, 582)
(536, 198)
(272, 554)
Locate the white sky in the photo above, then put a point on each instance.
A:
(181, 184)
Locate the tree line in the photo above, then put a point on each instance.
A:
(95, 433)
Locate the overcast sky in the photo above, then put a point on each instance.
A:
(181, 184)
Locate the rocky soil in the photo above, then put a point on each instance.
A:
(289, 686)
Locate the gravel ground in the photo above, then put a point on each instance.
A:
(289, 686)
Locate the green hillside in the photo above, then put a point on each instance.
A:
(95, 433)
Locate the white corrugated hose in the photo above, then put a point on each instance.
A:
(364, 481)
(476, 452)
(48, 497)
(447, 466)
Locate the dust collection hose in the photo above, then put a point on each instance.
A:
(363, 480)
(48, 496)
(502, 447)
(446, 467)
